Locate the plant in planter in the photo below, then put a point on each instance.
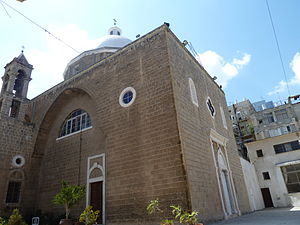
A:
(89, 216)
(68, 196)
(2, 221)
(183, 217)
(15, 219)
(167, 222)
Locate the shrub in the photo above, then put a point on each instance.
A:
(89, 216)
(16, 218)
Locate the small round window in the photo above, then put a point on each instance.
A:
(127, 97)
(18, 161)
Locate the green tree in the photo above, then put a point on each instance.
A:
(68, 196)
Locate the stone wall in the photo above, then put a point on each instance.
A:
(195, 124)
(16, 139)
(141, 142)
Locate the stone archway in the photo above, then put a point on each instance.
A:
(227, 190)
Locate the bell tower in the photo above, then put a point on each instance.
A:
(13, 96)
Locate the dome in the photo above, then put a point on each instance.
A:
(114, 39)
(108, 45)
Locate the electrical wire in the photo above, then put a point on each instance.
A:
(278, 48)
(5, 9)
(39, 26)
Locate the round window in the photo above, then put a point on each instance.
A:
(18, 161)
(127, 97)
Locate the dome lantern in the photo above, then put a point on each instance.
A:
(115, 31)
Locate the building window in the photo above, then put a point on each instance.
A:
(268, 118)
(281, 115)
(275, 132)
(76, 121)
(193, 92)
(291, 176)
(210, 107)
(259, 153)
(266, 175)
(223, 117)
(13, 192)
(127, 97)
(18, 161)
(286, 147)
(14, 108)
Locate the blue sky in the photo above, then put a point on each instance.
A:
(233, 38)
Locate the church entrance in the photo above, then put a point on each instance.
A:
(96, 199)
(96, 185)
(227, 193)
(226, 186)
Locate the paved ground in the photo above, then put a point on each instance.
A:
(276, 216)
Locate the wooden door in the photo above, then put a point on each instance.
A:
(96, 198)
(267, 197)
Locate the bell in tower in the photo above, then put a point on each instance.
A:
(15, 87)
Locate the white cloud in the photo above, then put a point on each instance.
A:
(282, 85)
(217, 66)
(49, 64)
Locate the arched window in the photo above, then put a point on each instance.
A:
(193, 92)
(76, 121)
(223, 117)
(13, 193)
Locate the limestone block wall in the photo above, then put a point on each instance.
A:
(195, 125)
(141, 142)
(15, 140)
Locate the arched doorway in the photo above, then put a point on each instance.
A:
(96, 184)
(227, 191)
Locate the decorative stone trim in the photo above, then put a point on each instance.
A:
(127, 91)
(18, 161)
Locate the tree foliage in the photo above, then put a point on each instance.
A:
(68, 196)
(182, 216)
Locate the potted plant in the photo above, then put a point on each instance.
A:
(2, 221)
(15, 219)
(68, 196)
(89, 216)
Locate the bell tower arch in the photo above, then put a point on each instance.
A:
(13, 96)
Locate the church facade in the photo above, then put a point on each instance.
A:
(133, 121)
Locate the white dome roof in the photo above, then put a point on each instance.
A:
(114, 39)
(108, 45)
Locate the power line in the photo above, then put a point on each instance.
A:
(278, 48)
(5, 10)
(36, 24)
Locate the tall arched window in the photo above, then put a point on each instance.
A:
(193, 92)
(78, 120)
(13, 193)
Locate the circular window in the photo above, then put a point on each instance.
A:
(127, 97)
(18, 161)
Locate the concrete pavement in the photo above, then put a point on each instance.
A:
(274, 216)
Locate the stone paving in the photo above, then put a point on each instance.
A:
(274, 216)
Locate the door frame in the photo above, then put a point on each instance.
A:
(99, 164)
(269, 192)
